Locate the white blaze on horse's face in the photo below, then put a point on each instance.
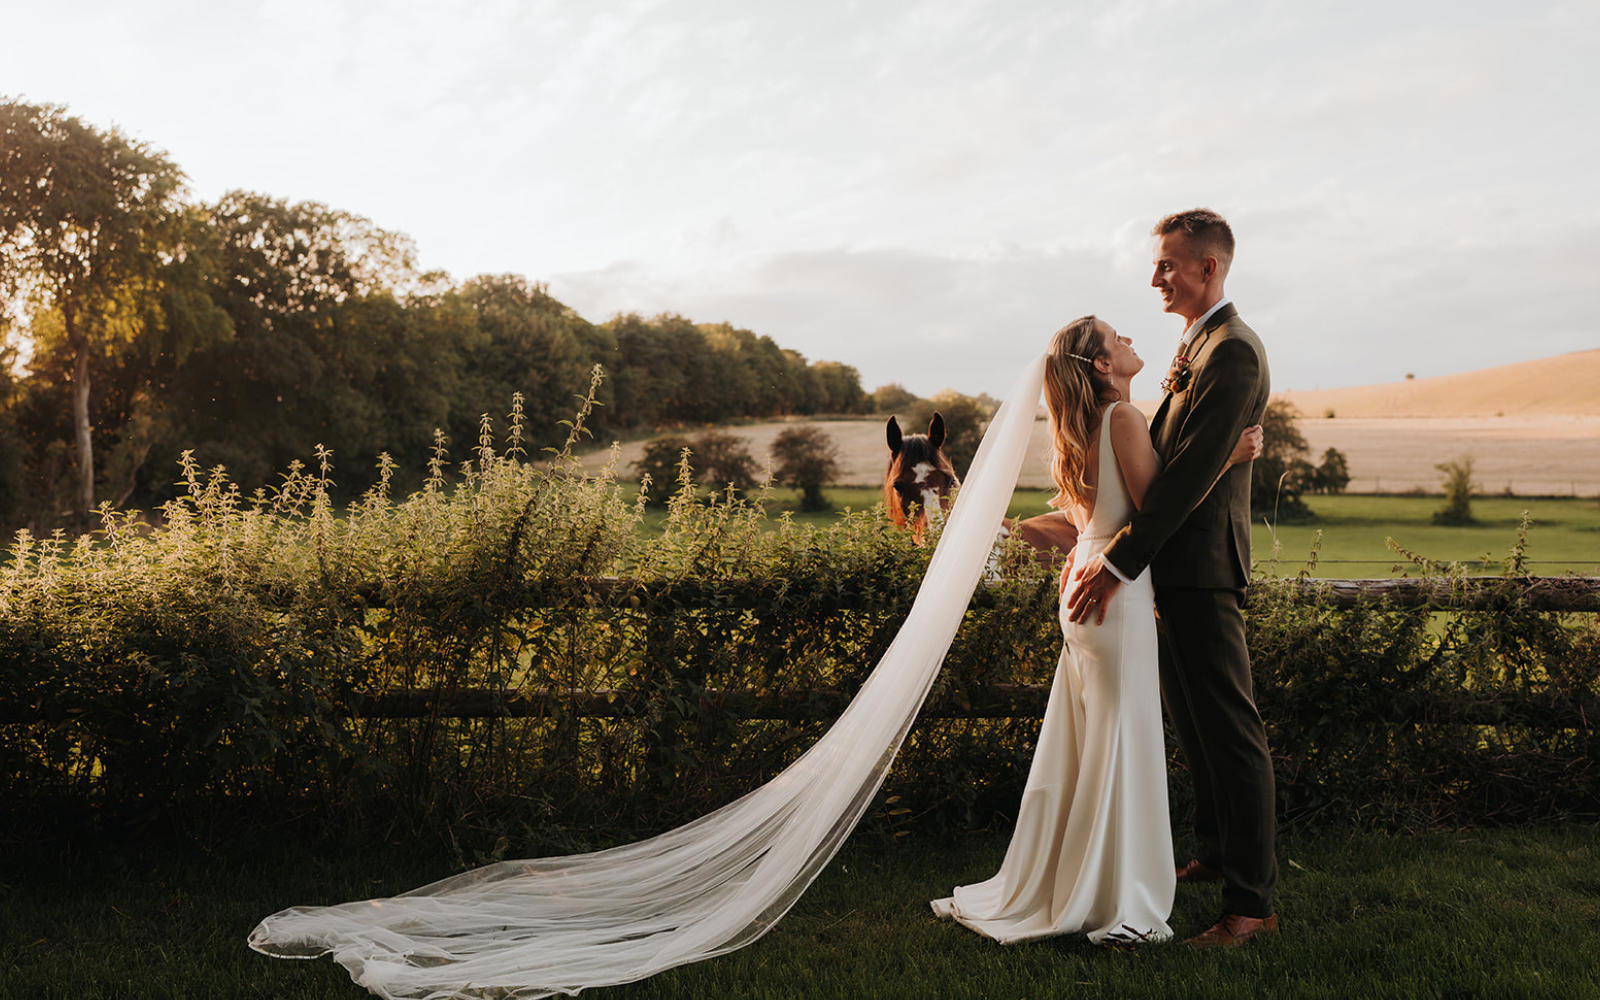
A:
(931, 501)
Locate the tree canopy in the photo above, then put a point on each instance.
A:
(1284, 472)
(252, 330)
(95, 239)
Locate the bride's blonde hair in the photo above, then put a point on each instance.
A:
(1074, 391)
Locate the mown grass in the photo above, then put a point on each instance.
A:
(1565, 536)
(1506, 913)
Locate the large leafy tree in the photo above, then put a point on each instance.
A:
(529, 342)
(1280, 475)
(91, 232)
(891, 398)
(838, 388)
(12, 448)
(659, 372)
(324, 351)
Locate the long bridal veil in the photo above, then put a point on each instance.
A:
(524, 929)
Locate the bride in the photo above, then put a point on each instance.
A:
(1092, 851)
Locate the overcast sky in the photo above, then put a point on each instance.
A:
(924, 191)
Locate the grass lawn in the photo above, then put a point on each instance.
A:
(1507, 913)
(1565, 536)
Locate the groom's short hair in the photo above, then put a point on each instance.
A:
(1204, 231)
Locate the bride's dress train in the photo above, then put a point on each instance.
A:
(525, 929)
(1092, 851)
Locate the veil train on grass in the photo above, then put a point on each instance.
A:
(534, 928)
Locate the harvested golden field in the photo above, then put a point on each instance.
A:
(1567, 385)
(1531, 455)
(1532, 428)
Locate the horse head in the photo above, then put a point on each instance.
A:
(919, 478)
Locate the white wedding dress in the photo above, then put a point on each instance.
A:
(525, 929)
(1092, 851)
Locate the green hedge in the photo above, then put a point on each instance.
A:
(205, 669)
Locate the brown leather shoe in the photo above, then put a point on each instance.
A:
(1198, 871)
(1233, 930)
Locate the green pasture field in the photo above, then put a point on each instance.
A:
(1565, 537)
(1487, 913)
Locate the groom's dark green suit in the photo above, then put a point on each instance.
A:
(1193, 532)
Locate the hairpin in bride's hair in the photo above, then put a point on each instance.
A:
(1080, 357)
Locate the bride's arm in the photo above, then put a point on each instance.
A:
(1249, 446)
(1136, 457)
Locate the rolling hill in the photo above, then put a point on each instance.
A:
(1567, 385)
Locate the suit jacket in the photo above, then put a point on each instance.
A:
(1194, 528)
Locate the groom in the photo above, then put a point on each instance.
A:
(1194, 533)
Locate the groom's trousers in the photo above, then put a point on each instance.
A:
(1210, 698)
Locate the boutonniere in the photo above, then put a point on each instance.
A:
(1177, 378)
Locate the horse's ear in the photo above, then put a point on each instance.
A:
(936, 429)
(894, 436)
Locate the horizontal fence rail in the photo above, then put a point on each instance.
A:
(990, 701)
(997, 701)
(1472, 593)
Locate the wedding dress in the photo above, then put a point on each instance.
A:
(525, 929)
(1092, 851)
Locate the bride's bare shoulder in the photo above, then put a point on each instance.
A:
(1130, 435)
(1127, 415)
(1127, 424)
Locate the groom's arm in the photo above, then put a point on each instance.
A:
(1224, 391)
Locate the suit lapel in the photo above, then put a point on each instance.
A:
(1213, 324)
(1192, 352)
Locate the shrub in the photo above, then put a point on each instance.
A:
(273, 659)
(716, 459)
(1411, 718)
(658, 467)
(806, 458)
(724, 460)
(1458, 487)
(1333, 475)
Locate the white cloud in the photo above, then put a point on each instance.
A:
(909, 188)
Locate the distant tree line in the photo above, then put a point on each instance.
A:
(139, 323)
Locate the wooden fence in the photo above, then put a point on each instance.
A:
(1551, 594)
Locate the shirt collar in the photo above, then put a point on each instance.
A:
(1199, 324)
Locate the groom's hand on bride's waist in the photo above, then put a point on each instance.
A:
(1092, 588)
